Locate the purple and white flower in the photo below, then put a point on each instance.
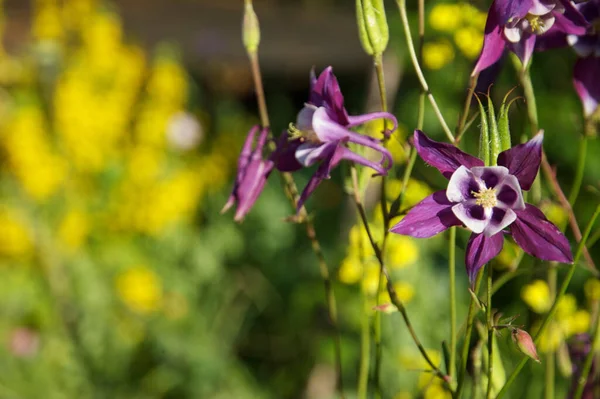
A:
(252, 174)
(586, 74)
(519, 24)
(488, 200)
(321, 134)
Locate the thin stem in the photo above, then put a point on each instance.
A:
(418, 71)
(561, 292)
(473, 306)
(452, 276)
(525, 78)
(550, 356)
(292, 191)
(490, 326)
(587, 364)
(581, 155)
(461, 128)
(365, 339)
(390, 286)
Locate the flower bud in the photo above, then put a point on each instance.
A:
(250, 28)
(525, 343)
(372, 26)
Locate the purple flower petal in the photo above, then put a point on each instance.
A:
(523, 160)
(308, 154)
(509, 194)
(444, 157)
(345, 153)
(325, 92)
(586, 79)
(251, 186)
(501, 218)
(428, 218)
(493, 41)
(492, 176)
(480, 250)
(284, 156)
(571, 22)
(360, 119)
(539, 237)
(524, 47)
(509, 9)
(462, 184)
(474, 216)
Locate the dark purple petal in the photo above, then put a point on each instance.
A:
(428, 218)
(493, 41)
(586, 79)
(491, 175)
(509, 9)
(325, 92)
(523, 160)
(480, 250)
(539, 237)
(524, 48)
(444, 157)
(284, 156)
(474, 216)
(501, 218)
(571, 22)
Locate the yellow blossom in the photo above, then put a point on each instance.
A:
(537, 296)
(370, 282)
(15, 240)
(350, 271)
(140, 289)
(47, 24)
(555, 213)
(567, 305)
(416, 361)
(577, 323)
(469, 40)
(551, 338)
(73, 229)
(472, 16)
(437, 55)
(402, 251)
(445, 17)
(404, 290)
(592, 289)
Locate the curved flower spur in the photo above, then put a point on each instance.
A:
(321, 134)
(488, 200)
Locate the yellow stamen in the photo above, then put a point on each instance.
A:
(536, 23)
(486, 197)
(302, 135)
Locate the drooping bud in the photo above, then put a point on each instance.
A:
(525, 343)
(372, 26)
(250, 28)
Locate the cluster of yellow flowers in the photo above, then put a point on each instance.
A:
(430, 386)
(569, 320)
(464, 23)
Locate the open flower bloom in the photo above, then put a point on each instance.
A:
(321, 135)
(488, 200)
(252, 174)
(517, 24)
(586, 74)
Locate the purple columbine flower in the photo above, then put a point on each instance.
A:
(586, 74)
(487, 200)
(252, 174)
(321, 135)
(516, 25)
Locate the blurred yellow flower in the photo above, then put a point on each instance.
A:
(403, 395)
(578, 323)
(555, 213)
(402, 251)
(416, 191)
(537, 296)
(445, 17)
(47, 24)
(437, 55)
(472, 16)
(74, 229)
(416, 362)
(350, 271)
(510, 252)
(140, 289)
(370, 282)
(469, 41)
(592, 289)
(404, 290)
(14, 237)
(567, 305)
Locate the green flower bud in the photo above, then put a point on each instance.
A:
(484, 136)
(250, 28)
(372, 26)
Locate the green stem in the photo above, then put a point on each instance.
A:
(550, 357)
(490, 326)
(581, 155)
(525, 79)
(452, 276)
(587, 364)
(561, 292)
(418, 71)
(365, 339)
(461, 128)
(465, 349)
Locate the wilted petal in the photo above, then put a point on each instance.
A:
(500, 219)
(523, 160)
(428, 218)
(444, 157)
(586, 79)
(462, 184)
(493, 41)
(480, 250)
(474, 216)
(539, 237)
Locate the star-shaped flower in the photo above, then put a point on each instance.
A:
(488, 200)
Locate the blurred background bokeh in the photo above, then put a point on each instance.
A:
(120, 127)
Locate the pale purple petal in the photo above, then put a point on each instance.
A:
(493, 41)
(305, 117)
(251, 186)
(308, 154)
(540, 8)
(360, 119)
(586, 79)
(509, 194)
(428, 218)
(524, 48)
(523, 160)
(501, 218)
(345, 153)
(539, 237)
(246, 152)
(474, 216)
(462, 184)
(444, 157)
(480, 250)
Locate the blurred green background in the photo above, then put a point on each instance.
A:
(120, 127)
